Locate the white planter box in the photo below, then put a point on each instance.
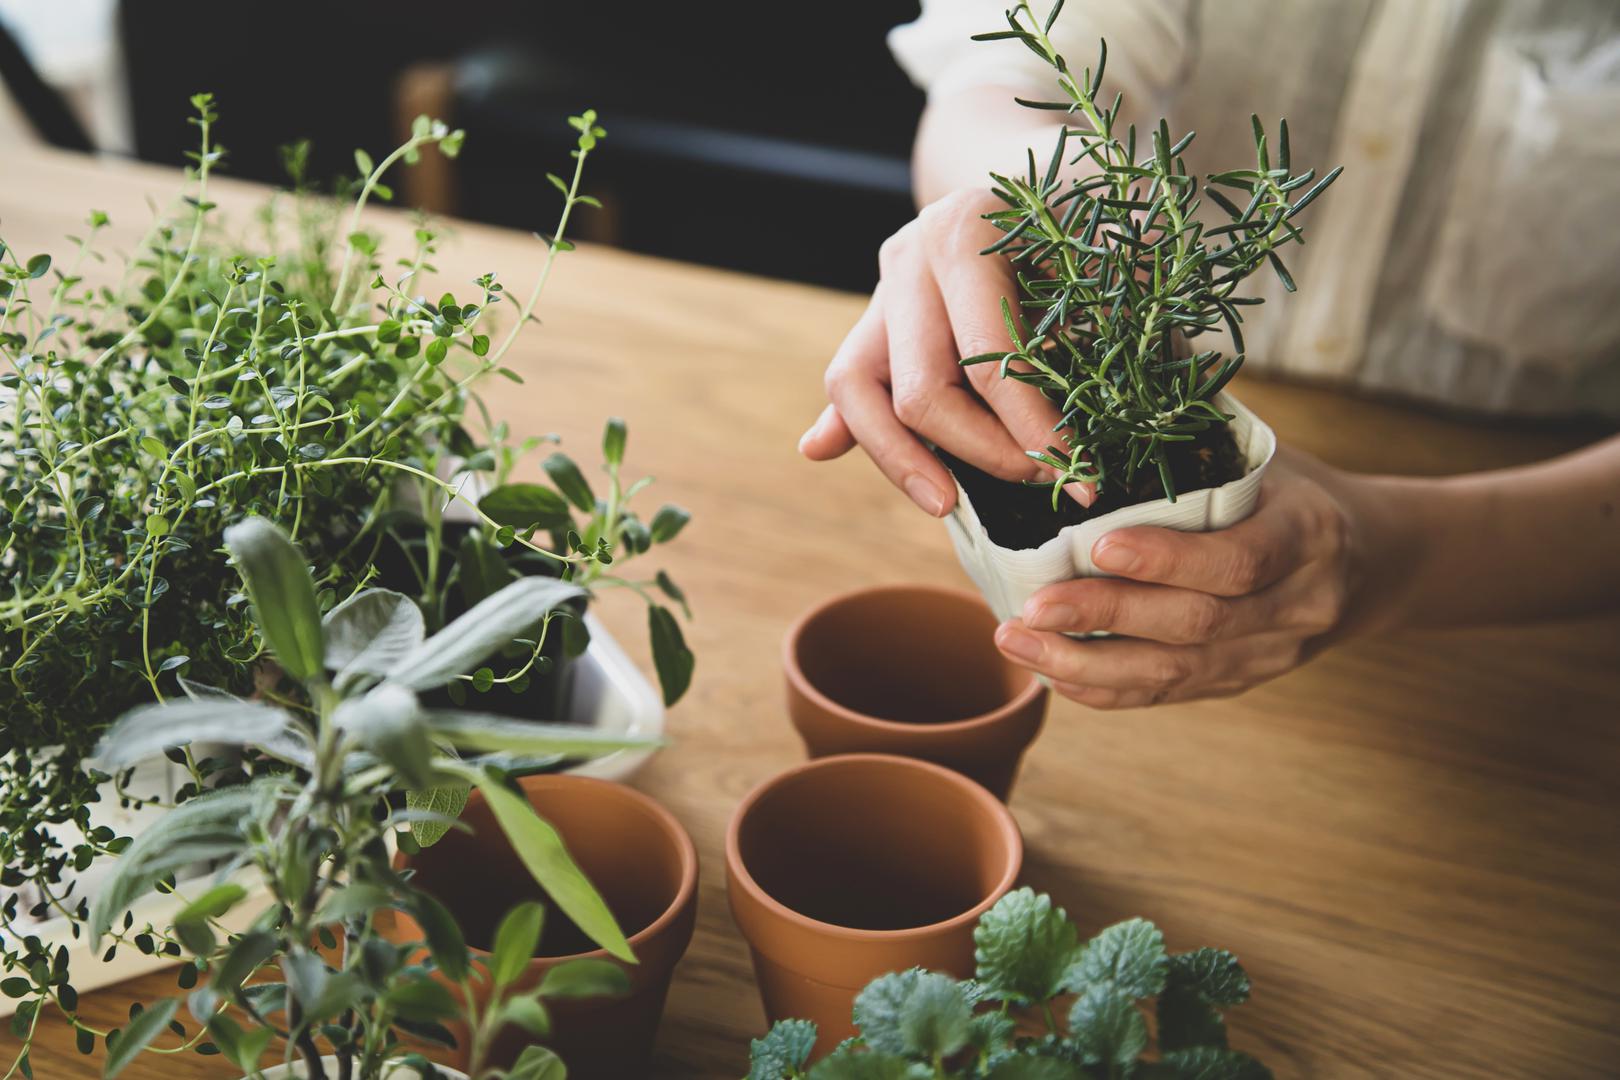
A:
(1008, 577)
(608, 693)
(297, 1070)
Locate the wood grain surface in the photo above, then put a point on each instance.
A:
(1412, 843)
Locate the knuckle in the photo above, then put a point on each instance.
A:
(1170, 670)
(913, 404)
(1206, 618)
(1245, 570)
(890, 250)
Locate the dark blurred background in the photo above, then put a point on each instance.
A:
(766, 138)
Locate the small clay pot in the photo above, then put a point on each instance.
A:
(911, 670)
(848, 867)
(644, 866)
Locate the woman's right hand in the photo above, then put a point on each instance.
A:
(898, 374)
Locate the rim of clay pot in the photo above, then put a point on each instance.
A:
(995, 808)
(667, 821)
(801, 681)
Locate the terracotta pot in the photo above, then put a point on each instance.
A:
(296, 1071)
(848, 867)
(911, 670)
(640, 860)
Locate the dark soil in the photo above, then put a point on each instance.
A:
(1021, 516)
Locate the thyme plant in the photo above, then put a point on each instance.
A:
(295, 373)
(311, 834)
(1004, 1024)
(1115, 268)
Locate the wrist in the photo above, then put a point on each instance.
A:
(1399, 528)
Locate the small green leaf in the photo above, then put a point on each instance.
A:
(1129, 955)
(137, 1035)
(443, 933)
(1214, 974)
(517, 939)
(542, 851)
(673, 660)
(537, 1063)
(570, 481)
(155, 447)
(448, 800)
(1105, 1027)
(585, 977)
(668, 523)
(934, 1019)
(527, 1013)
(523, 506)
(783, 1051)
(283, 595)
(1024, 946)
(613, 439)
(158, 525)
(38, 266)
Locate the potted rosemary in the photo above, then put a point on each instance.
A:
(301, 376)
(1119, 279)
(312, 827)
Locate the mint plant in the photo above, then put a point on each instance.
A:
(1116, 271)
(1043, 1006)
(295, 372)
(310, 828)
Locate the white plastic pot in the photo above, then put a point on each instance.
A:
(399, 1072)
(1008, 577)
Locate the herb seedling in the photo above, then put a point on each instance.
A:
(1004, 1024)
(1115, 270)
(297, 375)
(311, 831)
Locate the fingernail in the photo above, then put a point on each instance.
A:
(1114, 556)
(925, 494)
(1084, 494)
(1018, 643)
(1051, 616)
(811, 430)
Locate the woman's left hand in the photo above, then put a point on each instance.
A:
(1203, 614)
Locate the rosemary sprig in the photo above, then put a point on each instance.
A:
(1116, 271)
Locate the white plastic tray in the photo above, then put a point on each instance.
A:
(608, 689)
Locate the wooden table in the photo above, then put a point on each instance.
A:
(1412, 843)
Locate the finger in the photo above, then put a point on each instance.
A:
(1257, 552)
(930, 393)
(972, 288)
(1155, 612)
(860, 395)
(1115, 663)
(1098, 697)
(829, 437)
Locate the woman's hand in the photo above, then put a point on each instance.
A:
(898, 373)
(1206, 614)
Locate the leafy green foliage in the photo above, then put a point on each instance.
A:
(1029, 958)
(314, 834)
(1116, 271)
(303, 381)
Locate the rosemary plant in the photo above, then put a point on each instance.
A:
(295, 374)
(310, 836)
(1115, 269)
